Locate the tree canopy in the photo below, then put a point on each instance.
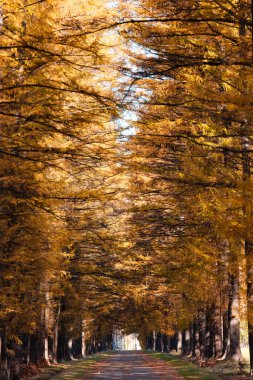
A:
(126, 189)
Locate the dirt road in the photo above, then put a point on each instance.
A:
(132, 365)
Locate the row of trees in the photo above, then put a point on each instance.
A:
(58, 163)
(191, 158)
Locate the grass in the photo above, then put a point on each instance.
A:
(68, 370)
(223, 369)
(186, 369)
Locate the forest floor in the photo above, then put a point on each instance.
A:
(138, 365)
(66, 370)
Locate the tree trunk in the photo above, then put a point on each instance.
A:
(195, 340)
(162, 342)
(191, 338)
(56, 335)
(225, 333)
(251, 348)
(233, 351)
(209, 333)
(186, 342)
(6, 358)
(83, 338)
(46, 326)
(202, 332)
(28, 356)
(94, 345)
(250, 303)
(244, 338)
(70, 348)
(168, 343)
(46, 348)
(217, 331)
(179, 342)
(154, 340)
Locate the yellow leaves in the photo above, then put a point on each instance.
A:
(201, 253)
(68, 254)
(15, 339)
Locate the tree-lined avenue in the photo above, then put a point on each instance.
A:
(126, 191)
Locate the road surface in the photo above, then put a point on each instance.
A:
(131, 365)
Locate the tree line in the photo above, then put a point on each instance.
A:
(191, 171)
(102, 228)
(58, 149)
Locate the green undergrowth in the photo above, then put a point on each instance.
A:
(68, 370)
